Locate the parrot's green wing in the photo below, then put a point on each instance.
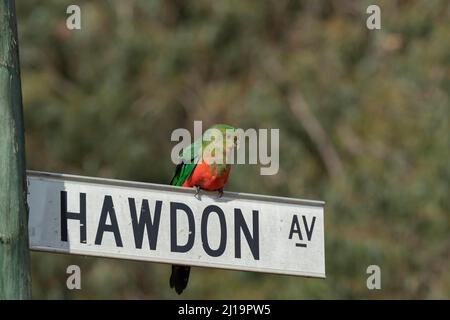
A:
(189, 157)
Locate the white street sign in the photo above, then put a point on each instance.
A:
(162, 223)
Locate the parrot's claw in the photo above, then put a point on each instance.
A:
(197, 192)
(219, 193)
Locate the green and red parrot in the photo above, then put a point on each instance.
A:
(199, 168)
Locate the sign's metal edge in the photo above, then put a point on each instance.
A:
(163, 187)
(174, 261)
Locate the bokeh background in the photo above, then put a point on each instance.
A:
(363, 118)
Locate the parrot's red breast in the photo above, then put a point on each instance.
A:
(207, 177)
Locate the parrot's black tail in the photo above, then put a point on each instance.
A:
(179, 277)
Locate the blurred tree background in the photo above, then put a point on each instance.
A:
(363, 118)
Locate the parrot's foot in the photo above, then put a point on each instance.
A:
(197, 192)
(219, 193)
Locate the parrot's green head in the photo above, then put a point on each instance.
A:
(219, 139)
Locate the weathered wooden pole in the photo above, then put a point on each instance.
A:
(14, 253)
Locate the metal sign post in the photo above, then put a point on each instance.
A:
(167, 224)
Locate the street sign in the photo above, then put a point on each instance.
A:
(167, 224)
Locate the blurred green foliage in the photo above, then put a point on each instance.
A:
(103, 101)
